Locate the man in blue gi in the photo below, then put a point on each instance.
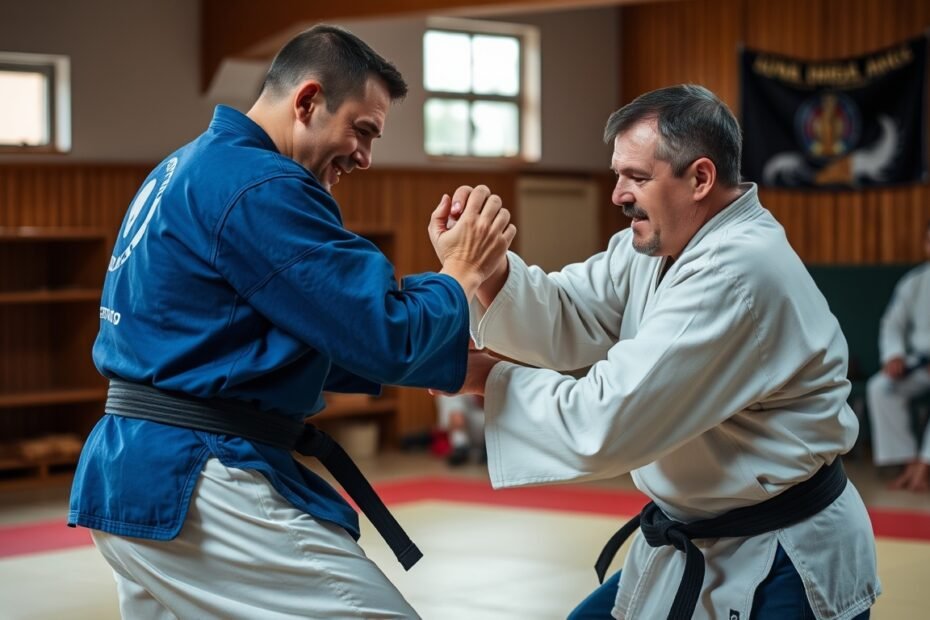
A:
(233, 298)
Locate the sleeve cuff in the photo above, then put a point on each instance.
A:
(479, 316)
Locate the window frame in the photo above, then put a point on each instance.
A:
(526, 99)
(56, 70)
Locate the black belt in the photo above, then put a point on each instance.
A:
(240, 419)
(800, 502)
(921, 361)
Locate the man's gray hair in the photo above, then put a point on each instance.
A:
(692, 123)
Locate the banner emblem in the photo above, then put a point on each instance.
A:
(838, 124)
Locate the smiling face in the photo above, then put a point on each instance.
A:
(661, 205)
(332, 143)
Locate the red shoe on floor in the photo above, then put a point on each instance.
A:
(440, 445)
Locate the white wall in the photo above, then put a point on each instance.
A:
(580, 84)
(135, 68)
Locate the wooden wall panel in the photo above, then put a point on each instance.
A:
(71, 195)
(660, 44)
(398, 201)
(697, 41)
(675, 42)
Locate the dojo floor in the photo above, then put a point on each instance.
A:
(489, 555)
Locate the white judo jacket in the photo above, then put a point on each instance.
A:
(905, 330)
(718, 387)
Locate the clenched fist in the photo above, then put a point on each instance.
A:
(471, 232)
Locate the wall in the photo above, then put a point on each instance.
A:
(696, 41)
(579, 65)
(136, 97)
(134, 72)
(135, 78)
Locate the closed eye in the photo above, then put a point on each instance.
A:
(367, 130)
(634, 174)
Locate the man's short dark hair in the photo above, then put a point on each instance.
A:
(338, 59)
(692, 123)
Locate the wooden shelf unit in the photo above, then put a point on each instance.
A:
(53, 396)
(50, 288)
(18, 474)
(50, 297)
(342, 407)
(49, 317)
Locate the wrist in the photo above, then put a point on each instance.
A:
(482, 376)
(489, 289)
(463, 273)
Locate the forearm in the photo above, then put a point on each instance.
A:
(529, 302)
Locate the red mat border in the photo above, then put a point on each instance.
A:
(53, 535)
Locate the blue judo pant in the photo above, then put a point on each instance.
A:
(780, 596)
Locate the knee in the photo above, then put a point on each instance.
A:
(599, 603)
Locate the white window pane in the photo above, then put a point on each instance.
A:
(447, 61)
(447, 126)
(496, 65)
(496, 129)
(23, 108)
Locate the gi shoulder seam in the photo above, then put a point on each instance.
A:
(271, 275)
(221, 222)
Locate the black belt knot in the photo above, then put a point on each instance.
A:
(241, 419)
(659, 531)
(794, 505)
(314, 442)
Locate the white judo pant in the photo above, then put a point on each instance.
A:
(893, 440)
(245, 552)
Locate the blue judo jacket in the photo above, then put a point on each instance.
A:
(233, 277)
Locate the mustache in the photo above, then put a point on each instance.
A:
(631, 210)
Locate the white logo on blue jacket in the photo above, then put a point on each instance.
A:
(136, 208)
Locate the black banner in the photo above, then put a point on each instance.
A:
(838, 124)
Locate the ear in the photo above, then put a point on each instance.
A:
(703, 177)
(307, 98)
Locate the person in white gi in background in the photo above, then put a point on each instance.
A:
(715, 374)
(904, 346)
(461, 417)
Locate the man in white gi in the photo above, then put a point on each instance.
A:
(715, 374)
(904, 346)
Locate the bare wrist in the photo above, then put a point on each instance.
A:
(486, 375)
(489, 289)
(466, 275)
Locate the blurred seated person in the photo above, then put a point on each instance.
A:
(461, 418)
(904, 346)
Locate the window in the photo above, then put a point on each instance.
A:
(481, 81)
(35, 103)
